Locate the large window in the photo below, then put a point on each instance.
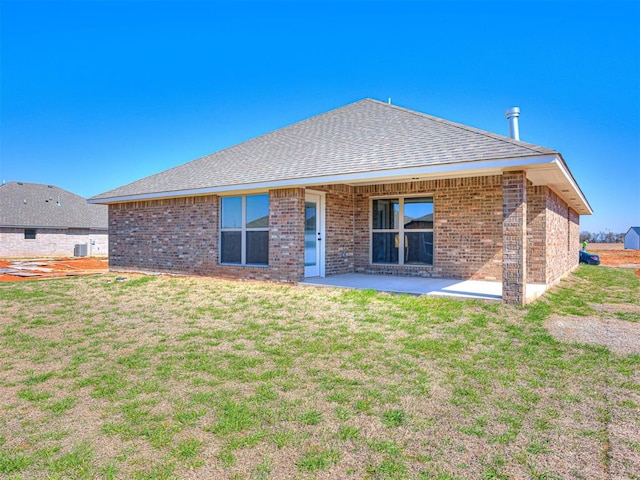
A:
(402, 231)
(244, 230)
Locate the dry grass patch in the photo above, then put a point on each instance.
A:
(160, 377)
(619, 336)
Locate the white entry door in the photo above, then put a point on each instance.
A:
(313, 235)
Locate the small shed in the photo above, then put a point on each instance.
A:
(632, 239)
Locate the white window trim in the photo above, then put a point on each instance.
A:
(243, 230)
(400, 230)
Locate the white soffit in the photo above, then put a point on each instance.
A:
(557, 177)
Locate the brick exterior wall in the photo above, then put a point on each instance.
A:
(286, 236)
(562, 238)
(51, 242)
(536, 234)
(339, 228)
(574, 239)
(553, 231)
(177, 235)
(557, 236)
(471, 224)
(180, 235)
(514, 234)
(467, 227)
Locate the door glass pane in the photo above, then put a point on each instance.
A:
(385, 248)
(231, 212)
(258, 211)
(230, 247)
(310, 234)
(418, 213)
(418, 249)
(258, 248)
(386, 212)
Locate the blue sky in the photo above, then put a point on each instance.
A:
(97, 94)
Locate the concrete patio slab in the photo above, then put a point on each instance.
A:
(479, 289)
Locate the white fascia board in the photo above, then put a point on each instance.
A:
(571, 181)
(446, 169)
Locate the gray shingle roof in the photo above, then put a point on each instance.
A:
(33, 205)
(365, 136)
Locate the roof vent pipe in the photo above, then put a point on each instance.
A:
(512, 115)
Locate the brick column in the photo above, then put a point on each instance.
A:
(514, 237)
(286, 234)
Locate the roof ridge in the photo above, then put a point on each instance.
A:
(475, 130)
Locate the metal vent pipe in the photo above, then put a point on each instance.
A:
(512, 115)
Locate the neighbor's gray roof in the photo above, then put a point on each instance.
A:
(366, 136)
(32, 205)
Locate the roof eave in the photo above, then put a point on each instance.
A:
(582, 199)
(536, 163)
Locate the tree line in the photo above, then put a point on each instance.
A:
(602, 237)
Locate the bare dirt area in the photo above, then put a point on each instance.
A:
(42, 268)
(615, 255)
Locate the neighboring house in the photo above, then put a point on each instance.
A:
(341, 189)
(44, 220)
(632, 239)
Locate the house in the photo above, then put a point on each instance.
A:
(369, 187)
(632, 239)
(44, 220)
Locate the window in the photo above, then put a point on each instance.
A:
(29, 233)
(244, 230)
(406, 218)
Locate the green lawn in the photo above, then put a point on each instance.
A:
(161, 377)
